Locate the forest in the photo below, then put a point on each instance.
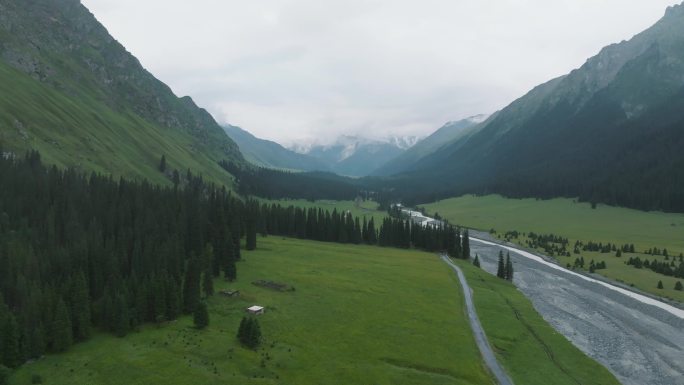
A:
(79, 253)
(84, 253)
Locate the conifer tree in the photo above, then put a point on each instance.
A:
(208, 283)
(465, 248)
(660, 284)
(162, 164)
(501, 269)
(678, 286)
(191, 286)
(9, 342)
(80, 307)
(201, 316)
(509, 267)
(476, 261)
(122, 319)
(61, 331)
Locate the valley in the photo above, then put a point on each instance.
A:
(146, 240)
(579, 222)
(346, 300)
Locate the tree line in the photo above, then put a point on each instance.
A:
(79, 253)
(342, 227)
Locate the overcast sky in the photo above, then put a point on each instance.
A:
(294, 70)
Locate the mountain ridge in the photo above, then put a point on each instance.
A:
(587, 134)
(115, 107)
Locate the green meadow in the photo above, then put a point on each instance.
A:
(357, 315)
(532, 352)
(578, 221)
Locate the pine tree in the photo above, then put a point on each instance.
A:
(5, 373)
(201, 316)
(465, 248)
(191, 286)
(476, 261)
(678, 286)
(509, 267)
(162, 164)
(61, 331)
(208, 283)
(249, 332)
(660, 284)
(9, 342)
(122, 318)
(80, 308)
(501, 270)
(230, 272)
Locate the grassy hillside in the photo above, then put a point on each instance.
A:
(71, 91)
(522, 339)
(358, 315)
(76, 132)
(266, 153)
(578, 221)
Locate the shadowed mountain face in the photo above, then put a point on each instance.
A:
(81, 99)
(610, 131)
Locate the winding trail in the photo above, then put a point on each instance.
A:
(480, 338)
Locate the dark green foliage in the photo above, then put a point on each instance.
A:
(61, 332)
(191, 285)
(80, 307)
(201, 316)
(10, 354)
(79, 252)
(162, 164)
(465, 248)
(476, 261)
(36, 379)
(274, 184)
(660, 284)
(249, 332)
(501, 267)
(5, 373)
(208, 283)
(678, 286)
(508, 273)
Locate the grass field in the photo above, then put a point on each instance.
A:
(578, 221)
(359, 315)
(532, 352)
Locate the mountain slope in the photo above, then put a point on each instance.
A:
(356, 156)
(75, 94)
(271, 154)
(448, 133)
(610, 131)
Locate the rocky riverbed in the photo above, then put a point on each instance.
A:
(640, 343)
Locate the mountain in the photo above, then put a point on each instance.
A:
(270, 154)
(71, 91)
(611, 131)
(448, 133)
(357, 156)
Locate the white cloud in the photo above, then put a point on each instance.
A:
(294, 69)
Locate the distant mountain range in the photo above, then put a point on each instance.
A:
(266, 153)
(611, 131)
(71, 91)
(357, 156)
(448, 133)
